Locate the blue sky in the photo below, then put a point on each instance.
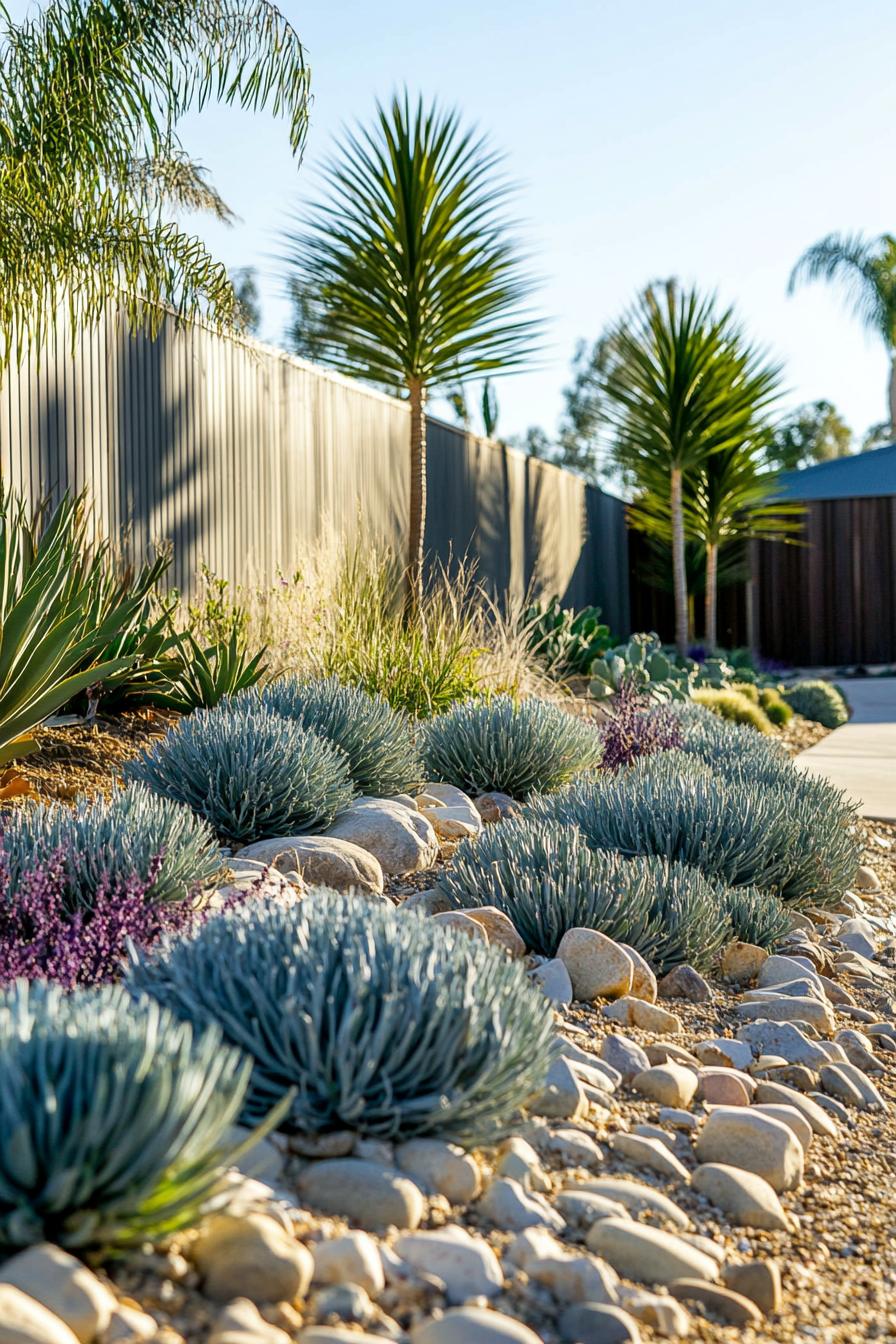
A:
(708, 139)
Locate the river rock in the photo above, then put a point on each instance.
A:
(733, 1308)
(321, 861)
(662, 1313)
(401, 840)
(783, 1039)
(473, 1325)
(457, 801)
(493, 807)
(64, 1285)
(353, 1257)
(23, 1320)
(866, 879)
(683, 982)
(364, 1192)
(644, 1151)
(780, 969)
(740, 1136)
(241, 1322)
(466, 1264)
(742, 962)
(598, 967)
(636, 1197)
(725, 1087)
(668, 1084)
(510, 1207)
(789, 1116)
(777, 1094)
(552, 978)
(759, 1280)
(633, 1012)
(441, 1167)
(647, 1254)
(643, 978)
(250, 1256)
(786, 1009)
(624, 1055)
(518, 1160)
(747, 1199)
(460, 921)
(501, 931)
(590, 1323)
(563, 1097)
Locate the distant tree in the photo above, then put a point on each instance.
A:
(867, 269)
(245, 287)
(304, 333)
(580, 422)
(876, 436)
(812, 433)
(535, 441)
(416, 274)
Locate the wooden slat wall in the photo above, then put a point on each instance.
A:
(243, 457)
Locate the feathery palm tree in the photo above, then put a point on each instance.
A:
(417, 277)
(679, 383)
(866, 267)
(91, 92)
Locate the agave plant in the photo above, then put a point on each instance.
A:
(250, 772)
(114, 1118)
(517, 748)
(197, 677)
(383, 1022)
(378, 740)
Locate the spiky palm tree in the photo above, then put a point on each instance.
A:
(866, 267)
(88, 90)
(680, 382)
(417, 276)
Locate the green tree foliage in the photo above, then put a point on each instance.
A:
(245, 287)
(812, 433)
(416, 274)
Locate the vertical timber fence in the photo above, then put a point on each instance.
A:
(240, 456)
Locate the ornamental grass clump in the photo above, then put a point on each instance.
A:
(819, 701)
(511, 747)
(546, 878)
(135, 840)
(249, 771)
(384, 1023)
(114, 1118)
(378, 740)
(734, 706)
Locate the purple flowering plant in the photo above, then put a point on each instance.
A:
(637, 728)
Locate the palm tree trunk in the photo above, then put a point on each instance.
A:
(891, 391)
(679, 575)
(417, 506)
(712, 595)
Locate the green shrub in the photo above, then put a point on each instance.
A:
(547, 880)
(136, 834)
(114, 1118)
(378, 741)
(747, 689)
(515, 747)
(384, 1022)
(819, 701)
(250, 772)
(776, 708)
(734, 706)
(565, 640)
(755, 916)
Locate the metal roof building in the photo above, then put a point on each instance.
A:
(861, 476)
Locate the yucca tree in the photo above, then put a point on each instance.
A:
(679, 383)
(415, 270)
(91, 92)
(866, 268)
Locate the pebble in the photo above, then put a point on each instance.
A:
(866, 879)
(598, 967)
(351, 1258)
(510, 1207)
(584, 1207)
(129, 1326)
(467, 1265)
(668, 1084)
(742, 962)
(786, 1009)
(745, 1197)
(846, 1082)
(859, 1050)
(643, 979)
(683, 982)
(501, 930)
(368, 1194)
(778, 1094)
(759, 1280)
(250, 1255)
(656, 1132)
(650, 1153)
(624, 1055)
(346, 1301)
(723, 1051)
(574, 1278)
(780, 970)
(519, 1160)
(552, 978)
(64, 1285)
(670, 1115)
(563, 1097)
(574, 1148)
(785, 1040)
(590, 1323)
(647, 1254)
(858, 936)
(593, 1071)
(321, 861)
(832, 1106)
(742, 1137)
(637, 1198)
(494, 807)
(633, 1012)
(241, 1321)
(461, 921)
(472, 1325)
(25, 1321)
(451, 823)
(440, 1167)
(667, 1052)
(449, 796)
(661, 1312)
(733, 1308)
(724, 1087)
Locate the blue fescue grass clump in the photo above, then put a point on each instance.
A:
(757, 917)
(378, 740)
(136, 837)
(250, 772)
(513, 747)
(114, 1118)
(384, 1023)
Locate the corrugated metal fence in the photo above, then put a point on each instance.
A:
(242, 455)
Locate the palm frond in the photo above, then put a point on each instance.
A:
(865, 269)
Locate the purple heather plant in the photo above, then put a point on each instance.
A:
(43, 938)
(637, 728)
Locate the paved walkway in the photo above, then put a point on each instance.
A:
(860, 757)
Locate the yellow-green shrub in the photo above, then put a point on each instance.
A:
(775, 708)
(748, 689)
(734, 707)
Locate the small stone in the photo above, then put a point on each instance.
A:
(742, 962)
(780, 970)
(596, 1073)
(643, 978)
(574, 1277)
(321, 861)
(449, 796)
(667, 1052)
(777, 1094)
(250, 1256)
(669, 1115)
(242, 1321)
(683, 982)
(583, 1207)
(624, 1055)
(647, 1131)
(598, 967)
(494, 807)
(650, 1153)
(335, 1334)
(725, 1087)
(647, 1254)
(648, 1016)
(745, 1197)
(859, 1050)
(832, 1106)
(785, 1040)
(461, 921)
(661, 1312)
(668, 1084)
(346, 1301)
(501, 930)
(563, 1097)
(451, 823)
(851, 1085)
(733, 1308)
(590, 1323)
(401, 840)
(129, 1326)
(637, 1198)
(519, 1161)
(759, 1280)
(574, 1149)
(364, 1192)
(23, 1320)
(467, 1265)
(858, 936)
(739, 1136)
(63, 1285)
(472, 1325)
(434, 901)
(440, 1167)
(786, 1009)
(866, 879)
(510, 1207)
(552, 978)
(724, 1052)
(351, 1258)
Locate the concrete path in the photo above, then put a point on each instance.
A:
(860, 757)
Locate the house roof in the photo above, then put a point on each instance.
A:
(857, 476)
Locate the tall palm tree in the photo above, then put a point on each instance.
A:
(417, 277)
(866, 267)
(90, 90)
(679, 383)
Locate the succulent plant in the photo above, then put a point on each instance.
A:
(114, 1118)
(642, 663)
(136, 835)
(249, 771)
(384, 1022)
(734, 706)
(378, 741)
(756, 916)
(544, 876)
(512, 747)
(819, 701)
(565, 640)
